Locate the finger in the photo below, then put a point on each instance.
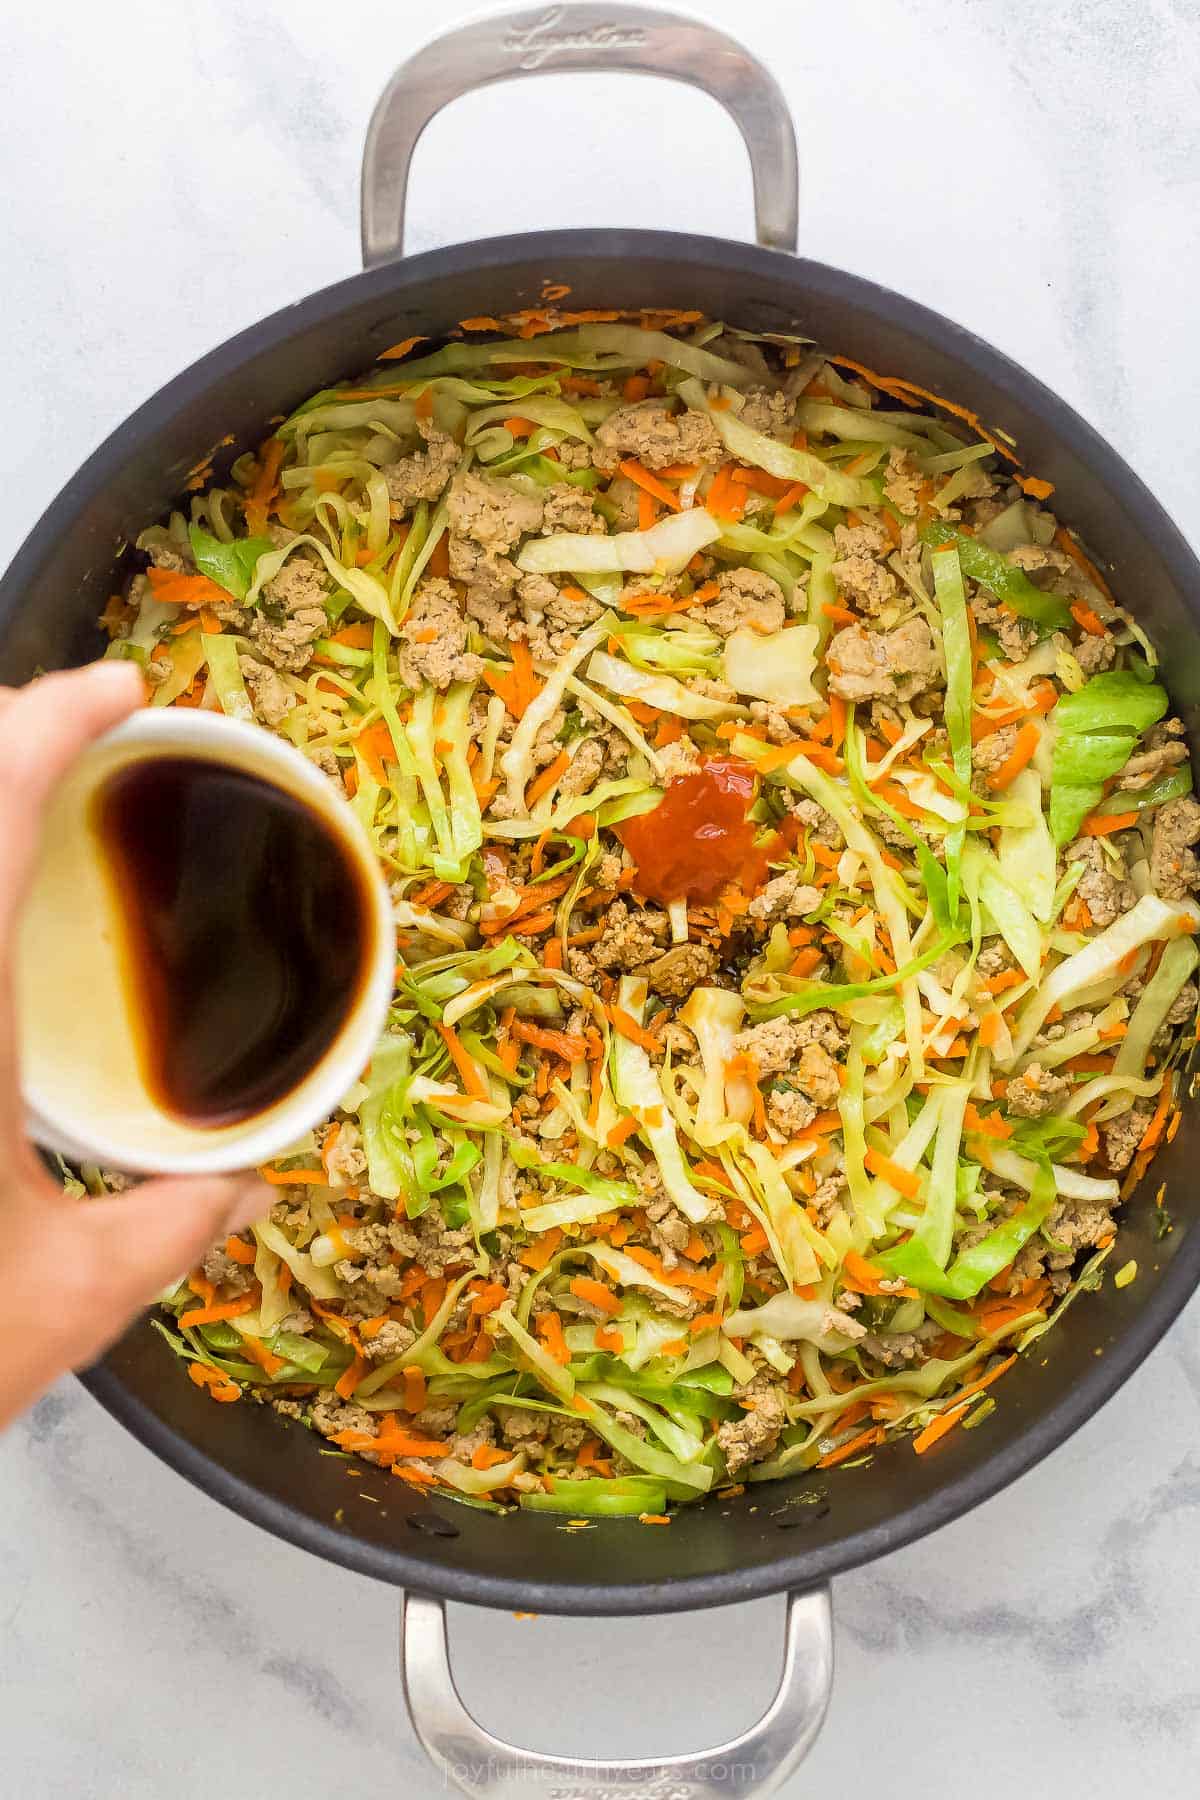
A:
(146, 1238)
(45, 728)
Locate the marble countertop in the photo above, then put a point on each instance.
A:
(172, 173)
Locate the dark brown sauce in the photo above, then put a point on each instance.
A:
(247, 933)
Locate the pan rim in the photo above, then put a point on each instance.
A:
(800, 1569)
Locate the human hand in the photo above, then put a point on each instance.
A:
(74, 1272)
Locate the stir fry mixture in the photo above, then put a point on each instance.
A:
(792, 857)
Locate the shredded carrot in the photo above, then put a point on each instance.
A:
(467, 1068)
(398, 350)
(607, 1339)
(621, 1132)
(1103, 824)
(937, 1428)
(288, 1178)
(841, 615)
(549, 1329)
(635, 388)
(1087, 620)
(266, 1359)
(566, 1044)
(595, 1294)
(650, 484)
(266, 486)
(541, 784)
(864, 1277)
(240, 1252)
(627, 1026)
(903, 1180)
(173, 589)
(220, 1386)
(872, 1435)
(1027, 741)
(488, 1298)
(212, 1315)
(373, 745)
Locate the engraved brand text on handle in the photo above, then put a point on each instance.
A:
(535, 44)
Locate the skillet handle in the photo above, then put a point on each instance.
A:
(482, 1765)
(611, 37)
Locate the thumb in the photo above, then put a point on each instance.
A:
(150, 1235)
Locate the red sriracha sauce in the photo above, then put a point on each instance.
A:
(698, 838)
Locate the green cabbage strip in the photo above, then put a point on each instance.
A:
(1026, 853)
(367, 590)
(516, 764)
(637, 1089)
(226, 677)
(763, 452)
(890, 894)
(1174, 971)
(230, 565)
(552, 1374)
(994, 572)
(594, 346)
(1096, 729)
(1005, 906)
(662, 691)
(1156, 793)
(972, 1269)
(697, 1477)
(933, 1238)
(1100, 959)
(424, 1353)
(956, 649)
(664, 548)
(455, 815)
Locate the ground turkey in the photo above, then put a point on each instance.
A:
(270, 695)
(1105, 894)
(746, 1439)
(1174, 869)
(570, 509)
(994, 750)
(424, 474)
(1014, 634)
(884, 665)
(768, 410)
(746, 597)
(632, 937)
(290, 615)
(903, 481)
(858, 573)
(785, 896)
(789, 1111)
(656, 436)
(494, 512)
(1036, 1092)
(1141, 770)
(680, 969)
(434, 639)
(1122, 1135)
(778, 1046)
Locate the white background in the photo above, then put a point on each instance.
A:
(171, 173)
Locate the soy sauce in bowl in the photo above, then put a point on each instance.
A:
(246, 932)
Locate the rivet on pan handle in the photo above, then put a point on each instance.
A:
(552, 40)
(483, 1765)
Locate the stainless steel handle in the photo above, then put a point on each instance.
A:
(598, 37)
(754, 1763)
